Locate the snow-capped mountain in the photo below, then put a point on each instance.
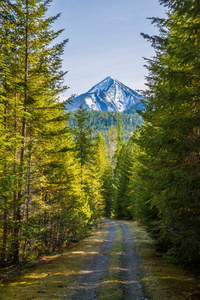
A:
(108, 95)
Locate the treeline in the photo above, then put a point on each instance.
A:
(157, 174)
(50, 186)
(102, 122)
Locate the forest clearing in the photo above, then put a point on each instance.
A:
(91, 270)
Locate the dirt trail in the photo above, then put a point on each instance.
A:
(130, 273)
(89, 280)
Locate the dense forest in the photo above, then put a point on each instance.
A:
(58, 176)
(157, 172)
(50, 186)
(103, 122)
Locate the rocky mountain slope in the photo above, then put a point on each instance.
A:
(108, 95)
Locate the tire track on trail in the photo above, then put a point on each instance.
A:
(89, 280)
(131, 284)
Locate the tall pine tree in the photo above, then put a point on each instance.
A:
(41, 201)
(169, 138)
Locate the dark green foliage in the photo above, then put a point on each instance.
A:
(169, 142)
(119, 130)
(122, 172)
(82, 135)
(105, 171)
(102, 121)
(157, 174)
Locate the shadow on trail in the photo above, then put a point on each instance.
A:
(86, 285)
(131, 283)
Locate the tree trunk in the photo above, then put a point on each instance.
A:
(16, 253)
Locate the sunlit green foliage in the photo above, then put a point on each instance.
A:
(44, 202)
(91, 157)
(105, 171)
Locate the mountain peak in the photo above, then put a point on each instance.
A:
(108, 95)
(104, 85)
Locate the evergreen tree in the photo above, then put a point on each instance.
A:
(112, 143)
(89, 169)
(169, 139)
(119, 130)
(122, 204)
(104, 169)
(102, 121)
(41, 196)
(82, 136)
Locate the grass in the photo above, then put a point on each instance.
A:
(110, 287)
(161, 279)
(51, 277)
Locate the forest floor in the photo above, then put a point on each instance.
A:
(118, 261)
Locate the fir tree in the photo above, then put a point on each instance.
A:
(89, 169)
(119, 130)
(38, 171)
(82, 136)
(169, 138)
(104, 168)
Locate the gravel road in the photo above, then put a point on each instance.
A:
(87, 283)
(130, 274)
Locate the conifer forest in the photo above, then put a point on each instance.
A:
(57, 181)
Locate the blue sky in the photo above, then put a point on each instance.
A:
(104, 40)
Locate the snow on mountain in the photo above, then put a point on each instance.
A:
(108, 95)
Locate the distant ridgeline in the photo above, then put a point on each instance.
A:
(102, 121)
(104, 101)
